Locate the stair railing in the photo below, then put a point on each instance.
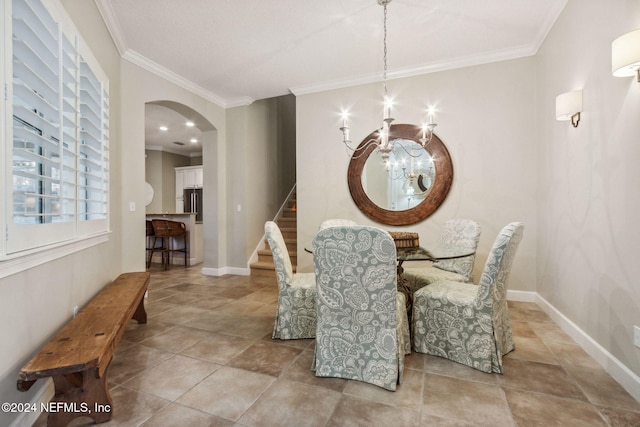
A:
(254, 256)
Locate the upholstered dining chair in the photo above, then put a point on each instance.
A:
(296, 313)
(466, 323)
(362, 319)
(336, 222)
(464, 233)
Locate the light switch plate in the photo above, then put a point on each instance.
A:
(636, 336)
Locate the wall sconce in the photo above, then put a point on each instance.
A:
(569, 107)
(625, 55)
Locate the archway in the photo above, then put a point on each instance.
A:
(175, 156)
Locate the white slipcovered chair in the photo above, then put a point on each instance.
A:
(466, 323)
(463, 233)
(362, 319)
(336, 222)
(296, 313)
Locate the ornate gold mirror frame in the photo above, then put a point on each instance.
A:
(439, 191)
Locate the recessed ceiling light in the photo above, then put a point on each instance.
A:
(190, 124)
(193, 140)
(164, 128)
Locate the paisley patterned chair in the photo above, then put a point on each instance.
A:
(296, 314)
(460, 232)
(466, 323)
(336, 222)
(362, 319)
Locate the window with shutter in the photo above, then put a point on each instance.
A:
(57, 148)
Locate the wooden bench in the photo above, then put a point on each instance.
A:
(78, 357)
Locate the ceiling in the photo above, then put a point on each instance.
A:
(233, 52)
(178, 136)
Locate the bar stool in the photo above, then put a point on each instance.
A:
(149, 246)
(168, 231)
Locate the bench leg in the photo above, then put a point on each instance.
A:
(141, 314)
(80, 394)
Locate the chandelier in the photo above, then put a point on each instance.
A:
(383, 145)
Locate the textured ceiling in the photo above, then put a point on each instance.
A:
(237, 51)
(233, 52)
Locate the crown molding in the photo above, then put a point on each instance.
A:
(143, 62)
(450, 64)
(109, 18)
(558, 7)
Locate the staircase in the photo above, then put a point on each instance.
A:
(288, 223)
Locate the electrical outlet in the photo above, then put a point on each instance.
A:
(75, 311)
(636, 336)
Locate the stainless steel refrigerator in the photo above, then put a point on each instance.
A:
(193, 202)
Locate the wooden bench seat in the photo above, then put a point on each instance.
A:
(78, 357)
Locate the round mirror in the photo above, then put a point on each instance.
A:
(410, 187)
(148, 194)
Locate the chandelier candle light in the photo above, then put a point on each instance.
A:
(384, 146)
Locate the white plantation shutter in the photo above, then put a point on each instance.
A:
(57, 102)
(94, 152)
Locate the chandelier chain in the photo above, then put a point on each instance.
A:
(384, 74)
(384, 142)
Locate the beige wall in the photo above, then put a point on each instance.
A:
(261, 140)
(575, 189)
(36, 303)
(588, 200)
(160, 173)
(486, 118)
(286, 143)
(141, 87)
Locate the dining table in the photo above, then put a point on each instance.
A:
(438, 252)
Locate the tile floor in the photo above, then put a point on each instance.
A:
(206, 358)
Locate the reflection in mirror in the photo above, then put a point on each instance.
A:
(377, 197)
(408, 180)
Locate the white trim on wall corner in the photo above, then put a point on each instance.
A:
(623, 375)
(522, 296)
(254, 256)
(30, 259)
(42, 397)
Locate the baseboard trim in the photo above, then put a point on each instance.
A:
(238, 271)
(521, 296)
(226, 270)
(42, 397)
(614, 367)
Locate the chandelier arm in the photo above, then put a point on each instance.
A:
(425, 141)
(362, 148)
(409, 153)
(400, 175)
